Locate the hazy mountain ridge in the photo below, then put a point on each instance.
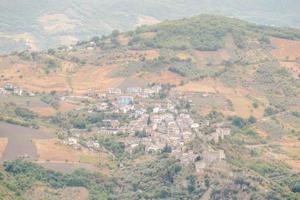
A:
(85, 19)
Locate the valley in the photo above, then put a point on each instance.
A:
(199, 108)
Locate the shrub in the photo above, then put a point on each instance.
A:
(238, 122)
(79, 124)
(252, 120)
(269, 111)
(25, 113)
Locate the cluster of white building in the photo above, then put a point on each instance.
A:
(163, 125)
(10, 88)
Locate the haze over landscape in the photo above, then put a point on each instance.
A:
(140, 99)
(43, 24)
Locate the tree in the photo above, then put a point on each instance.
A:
(269, 111)
(167, 149)
(252, 120)
(296, 188)
(149, 122)
(206, 181)
(191, 183)
(141, 134)
(238, 122)
(79, 124)
(255, 105)
(115, 33)
(25, 113)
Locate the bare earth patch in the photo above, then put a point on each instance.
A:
(44, 111)
(162, 78)
(184, 56)
(66, 107)
(151, 54)
(3, 143)
(285, 49)
(30, 77)
(146, 20)
(199, 86)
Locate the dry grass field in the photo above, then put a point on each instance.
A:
(239, 97)
(292, 67)
(96, 78)
(162, 78)
(55, 150)
(151, 54)
(41, 192)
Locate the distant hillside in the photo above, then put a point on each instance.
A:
(181, 52)
(45, 24)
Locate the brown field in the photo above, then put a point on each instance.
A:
(44, 111)
(92, 77)
(162, 78)
(33, 79)
(55, 150)
(66, 107)
(285, 49)
(290, 145)
(204, 86)
(39, 192)
(20, 141)
(3, 143)
(151, 54)
(53, 154)
(239, 97)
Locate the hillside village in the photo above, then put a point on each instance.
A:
(213, 115)
(154, 124)
(157, 122)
